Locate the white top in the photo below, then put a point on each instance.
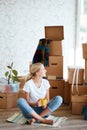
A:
(35, 92)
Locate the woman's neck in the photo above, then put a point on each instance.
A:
(37, 81)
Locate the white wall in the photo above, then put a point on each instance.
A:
(22, 25)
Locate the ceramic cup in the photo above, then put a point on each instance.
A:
(43, 101)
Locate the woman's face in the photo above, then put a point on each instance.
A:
(42, 71)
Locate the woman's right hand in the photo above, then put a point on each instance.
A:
(39, 103)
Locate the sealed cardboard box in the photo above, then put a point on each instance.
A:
(85, 72)
(56, 88)
(84, 49)
(78, 76)
(54, 32)
(22, 81)
(78, 102)
(80, 89)
(8, 100)
(55, 48)
(56, 61)
(21, 94)
(67, 92)
(55, 71)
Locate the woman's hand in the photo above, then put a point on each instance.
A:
(39, 103)
(44, 102)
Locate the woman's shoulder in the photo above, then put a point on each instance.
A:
(46, 83)
(45, 80)
(29, 81)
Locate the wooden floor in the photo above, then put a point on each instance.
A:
(73, 122)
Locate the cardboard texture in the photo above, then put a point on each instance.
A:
(21, 94)
(71, 74)
(56, 88)
(78, 102)
(22, 81)
(54, 71)
(82, 90)
(67, 92)
(55, 48)
(84, 50)
(85, 72)
(55, 33)
(56, 61)
(8, 100)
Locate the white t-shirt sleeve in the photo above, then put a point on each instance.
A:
(26, 87)
(46, 84)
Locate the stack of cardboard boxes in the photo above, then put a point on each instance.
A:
(55, 68)
(79, 91)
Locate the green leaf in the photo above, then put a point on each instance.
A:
(6, 73)
(9, 67)
(15, 72)
(14, 78)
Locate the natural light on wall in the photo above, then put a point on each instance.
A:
(82, 25)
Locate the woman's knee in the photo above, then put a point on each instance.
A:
(21, 101)
(55, 103)
(59, 99)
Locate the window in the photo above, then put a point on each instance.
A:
(81, 31)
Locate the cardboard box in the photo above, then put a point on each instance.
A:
(78, 102)
(81, 90)
(22, 81)
(55, 71)
(56, 61)
(71, 74)
(54, 32)
(67, 92)
(8, 100)
(21, 94)
(51, 77)
(55, 48)
(56, 88)
(84, 49)
(85, 72)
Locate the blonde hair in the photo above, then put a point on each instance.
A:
(33, 69)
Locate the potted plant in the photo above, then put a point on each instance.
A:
(12, 77)
(12, 74)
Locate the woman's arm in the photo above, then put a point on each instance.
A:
(47, 95)
(27, 97)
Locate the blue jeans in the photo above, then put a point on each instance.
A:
(26, 109)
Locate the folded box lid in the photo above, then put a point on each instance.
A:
(54, 32)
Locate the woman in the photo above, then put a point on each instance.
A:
(36, 88)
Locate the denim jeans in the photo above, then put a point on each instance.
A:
(26, 109)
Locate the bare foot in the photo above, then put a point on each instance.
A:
(31, 121)
(46, 121)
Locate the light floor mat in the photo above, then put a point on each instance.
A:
(19, 118)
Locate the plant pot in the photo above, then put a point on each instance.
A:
(15, 87)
